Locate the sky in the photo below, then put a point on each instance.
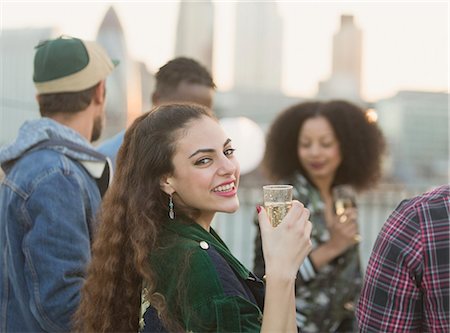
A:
(405, 43)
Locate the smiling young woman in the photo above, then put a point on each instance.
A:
(175, 170)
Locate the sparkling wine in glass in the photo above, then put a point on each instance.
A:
(344, 197)
(277, 201)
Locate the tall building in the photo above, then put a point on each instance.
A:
(126, 98)
(110, 36)
(258, 48)
(195, 30)
(17, 91)
(345, 79)
(416, 128)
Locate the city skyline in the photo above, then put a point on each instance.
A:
(401, 55)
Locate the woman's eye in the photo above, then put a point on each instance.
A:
(202, 161)
(229, 151)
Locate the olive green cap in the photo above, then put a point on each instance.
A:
(68, 64)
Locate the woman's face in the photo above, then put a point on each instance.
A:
(206, 171)
(318, 149)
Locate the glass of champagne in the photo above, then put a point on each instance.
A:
(277, 202)
(344, 197)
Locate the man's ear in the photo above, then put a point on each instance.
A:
(166, 185)
(100, 92)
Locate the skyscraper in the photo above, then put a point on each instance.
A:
(258, 47)
(126, 96)
(195, 30)
(110, 36)
(345, 80)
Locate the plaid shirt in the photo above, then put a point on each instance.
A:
(406, 288)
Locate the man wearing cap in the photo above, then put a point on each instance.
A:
(52, 188)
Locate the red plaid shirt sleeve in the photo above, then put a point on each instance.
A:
(406, 287)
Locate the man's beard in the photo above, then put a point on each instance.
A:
(97, 128)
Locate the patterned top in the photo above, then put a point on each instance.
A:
(406, 288)
(325, 298)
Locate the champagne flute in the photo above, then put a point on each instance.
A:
(277, 201)
(344, 197)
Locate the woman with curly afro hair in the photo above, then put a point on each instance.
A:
(316, 146)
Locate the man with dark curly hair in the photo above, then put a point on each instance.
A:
(316, 146)
(180, 80)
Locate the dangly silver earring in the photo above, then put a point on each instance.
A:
(171, 212)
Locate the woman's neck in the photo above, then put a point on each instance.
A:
(205, 220)
(324, 185)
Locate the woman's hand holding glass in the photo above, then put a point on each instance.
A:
(286, 246)
(344, 230)
(344, 197)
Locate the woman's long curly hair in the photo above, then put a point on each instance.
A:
(360, 140)
(132, 213)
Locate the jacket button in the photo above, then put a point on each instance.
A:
(204, 245)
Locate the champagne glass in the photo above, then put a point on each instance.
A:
(277, 201)
(344, 197)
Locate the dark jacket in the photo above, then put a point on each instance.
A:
(206, 288)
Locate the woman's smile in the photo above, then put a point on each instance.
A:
(226, 189)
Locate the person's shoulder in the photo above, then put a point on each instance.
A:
(40, 162)
(195, 250)
(174, 248)
(179, 256)
(179, 248)
(421, 209)
(434, 195)
(43, 165)
(437, 193)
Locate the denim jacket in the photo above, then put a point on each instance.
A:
(48, 201)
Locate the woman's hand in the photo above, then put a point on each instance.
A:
(286, 246)
(344, 231)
